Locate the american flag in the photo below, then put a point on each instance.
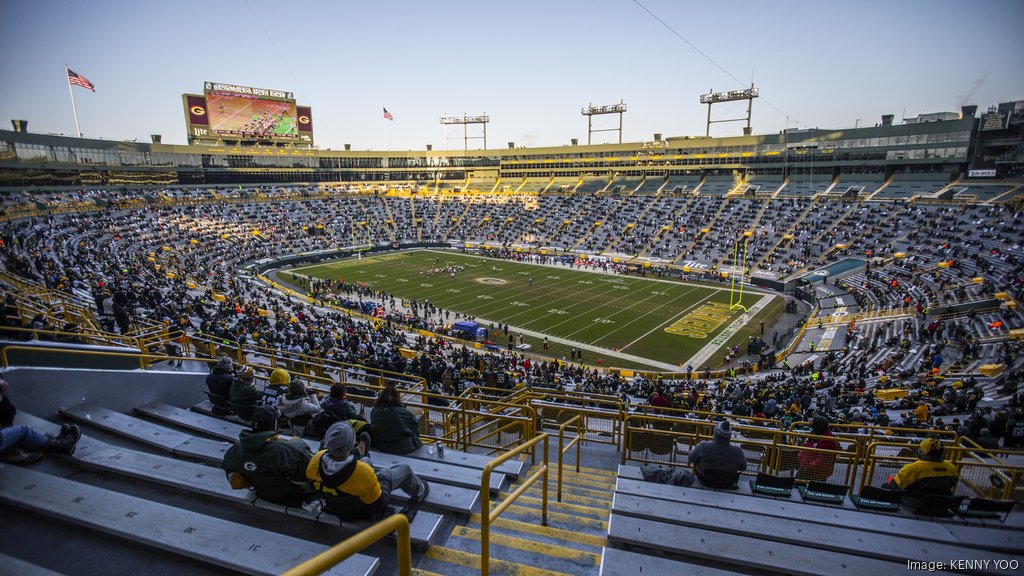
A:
(79, 80)
(388, 116)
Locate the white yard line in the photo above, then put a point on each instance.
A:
(662, 325)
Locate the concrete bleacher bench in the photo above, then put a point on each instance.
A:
(512, 468)
(209, 481)
(615, 562)
(443, 495)
(743, 488)
(981, 537)
(439, 472)
(12, 565)
(835, 538)
(249, 550)
(741, 551)
(436, 469)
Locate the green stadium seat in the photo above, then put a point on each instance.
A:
(877, 499)
(823, 492)
(773, 486)
(986, 508)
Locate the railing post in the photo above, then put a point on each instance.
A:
(544, 501)
(581, 429)
(329, 558)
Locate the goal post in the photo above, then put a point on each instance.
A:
(739, 262)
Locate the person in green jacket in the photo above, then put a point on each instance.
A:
(395, 430)
(274, 466)
(244, 396)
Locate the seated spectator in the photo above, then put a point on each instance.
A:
(336, 408)
(218, 381)
(337, 402)
(1013, 438)
(244, 396)
(395, 430)
(659, 400)
(921, 413)
(718, 454)
(814, 465)
(278, 386)
(274, 466)
(929, 474)
(350, 487)
(22, 445)
(986, 440)
(299, 404)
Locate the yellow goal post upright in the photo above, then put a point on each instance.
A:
(736, 292)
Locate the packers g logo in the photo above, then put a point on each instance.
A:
(249, 466)
(303, 119)
(198, 110)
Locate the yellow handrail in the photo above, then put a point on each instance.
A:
(578, 419)
(487, 516)
(357, 543)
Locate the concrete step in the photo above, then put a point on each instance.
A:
(604, 502)
(593, 493)
(527, 552)
(567, 520)
(554, 534)
(454, 562)
(581, 480)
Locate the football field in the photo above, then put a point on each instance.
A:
(624, 320)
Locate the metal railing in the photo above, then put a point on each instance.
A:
(488, 516)
(659, 440)
(84, 336)
(984, 473)
(578, 420)
(327, 559)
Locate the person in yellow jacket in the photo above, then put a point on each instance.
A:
(921, 413)
(929, 474)
(350, 487)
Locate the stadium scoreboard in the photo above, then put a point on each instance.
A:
(243, 114)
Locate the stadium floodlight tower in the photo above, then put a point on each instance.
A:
(466, 121)
(713, 97)
(590, 111)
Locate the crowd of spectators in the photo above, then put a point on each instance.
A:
(136, 261)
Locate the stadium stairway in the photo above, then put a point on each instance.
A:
(710, 225)
(752, 227)
(390, 228)
(571, 543)
(782, 241)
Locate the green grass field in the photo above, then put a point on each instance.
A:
(619, 314)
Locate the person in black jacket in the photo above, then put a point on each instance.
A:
(218, 381)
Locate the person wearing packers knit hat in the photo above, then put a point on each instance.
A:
(929, 474)
(244, 395)
(350, 487)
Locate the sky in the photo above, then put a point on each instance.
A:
(530, 65)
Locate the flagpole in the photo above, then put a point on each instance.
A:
(74, 108)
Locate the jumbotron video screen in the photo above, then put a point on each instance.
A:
(244, 115)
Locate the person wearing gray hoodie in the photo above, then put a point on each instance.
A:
(718, 454)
